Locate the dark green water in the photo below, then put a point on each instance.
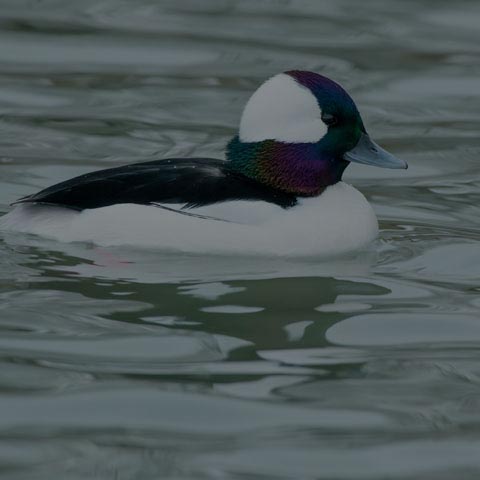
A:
(184, 367)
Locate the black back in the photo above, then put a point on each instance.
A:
(192, 182)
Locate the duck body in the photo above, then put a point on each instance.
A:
(278, 192)
(240, 227)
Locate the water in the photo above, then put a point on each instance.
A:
(133, 364)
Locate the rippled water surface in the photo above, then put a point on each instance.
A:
(133, 364)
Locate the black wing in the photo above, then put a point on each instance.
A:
(192, 182)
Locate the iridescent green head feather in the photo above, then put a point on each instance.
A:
(298, 133)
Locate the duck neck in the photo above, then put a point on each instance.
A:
(296, 168)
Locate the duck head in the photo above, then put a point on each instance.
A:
(298, 133)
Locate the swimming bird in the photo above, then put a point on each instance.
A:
(279, 191)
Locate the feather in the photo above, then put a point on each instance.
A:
(191, 182)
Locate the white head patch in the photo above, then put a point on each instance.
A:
(282, 110)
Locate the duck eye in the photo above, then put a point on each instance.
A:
(329, 119)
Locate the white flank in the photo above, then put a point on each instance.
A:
(282, 110)
(338, 221)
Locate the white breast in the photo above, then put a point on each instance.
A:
(337, 221)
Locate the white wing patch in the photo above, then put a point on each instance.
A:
(282, 110)
(242, 212)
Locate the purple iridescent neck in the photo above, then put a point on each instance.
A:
(298, 168)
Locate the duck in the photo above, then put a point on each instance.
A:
(278, 191)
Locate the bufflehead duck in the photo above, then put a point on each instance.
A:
(278, 192)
